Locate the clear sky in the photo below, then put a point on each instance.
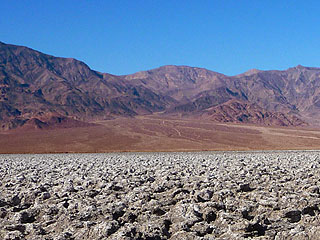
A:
(126, 36)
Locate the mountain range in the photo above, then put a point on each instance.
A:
(40, 91)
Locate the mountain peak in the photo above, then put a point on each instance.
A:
(252, 71)
(179, 67)
(303, 68)
(299, 67)
(249, 72)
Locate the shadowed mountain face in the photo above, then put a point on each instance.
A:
(33, 85)
(243, 112)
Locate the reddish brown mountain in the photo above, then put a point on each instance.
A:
(243, 112)
(52, 121)
(34, 84)
(295, 90)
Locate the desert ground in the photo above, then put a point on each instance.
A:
(195, 195)
(153, 133)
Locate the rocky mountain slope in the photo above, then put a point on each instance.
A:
(242, 112)
(293, 91)
(33, 85)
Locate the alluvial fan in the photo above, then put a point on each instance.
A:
(232, 195)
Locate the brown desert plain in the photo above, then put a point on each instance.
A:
(154, 133)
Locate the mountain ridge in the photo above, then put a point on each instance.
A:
(33, 84)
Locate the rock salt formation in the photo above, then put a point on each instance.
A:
(263, 195)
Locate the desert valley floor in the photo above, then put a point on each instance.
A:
(152, 133)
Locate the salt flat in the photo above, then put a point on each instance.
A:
(198, 195)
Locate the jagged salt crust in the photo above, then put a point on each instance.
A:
(235, 195)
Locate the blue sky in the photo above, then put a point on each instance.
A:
(126, 36)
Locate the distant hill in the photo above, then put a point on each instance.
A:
(33, 85)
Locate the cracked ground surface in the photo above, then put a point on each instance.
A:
(205, 195)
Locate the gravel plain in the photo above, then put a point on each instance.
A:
(205, 195)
